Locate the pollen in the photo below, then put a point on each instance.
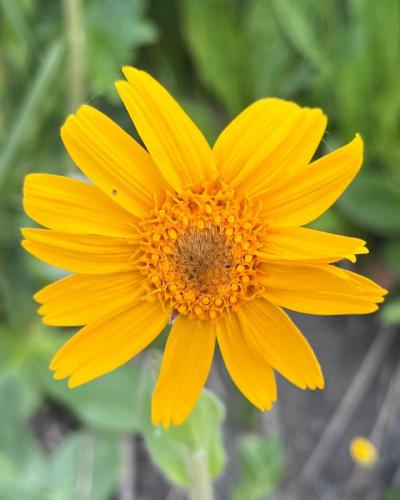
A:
(194, 251)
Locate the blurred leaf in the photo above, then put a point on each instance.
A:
(115, 30)
(213, 37)
(84, 466)
(297, 21)
(110, 403)
(392, 494)
(35, 94)
(261, 467)
(172, 448)
(22, 465)
(331, 221)
(268, 61)
(390, 312)
(373, 202)
(391, 255)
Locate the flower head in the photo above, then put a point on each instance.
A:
(209, 239)
(363, 451)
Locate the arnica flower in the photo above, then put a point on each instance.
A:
(363, 451)
(209, 239)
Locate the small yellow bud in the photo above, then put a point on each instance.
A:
(363, 451)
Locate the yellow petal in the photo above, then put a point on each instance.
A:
(270, 138)
(109, 342)
(302, 197)
(251, 373)
(70, 205)
(186, 363)
(308, 245)
(78, 253)
(175, 143)
(113, 160)
(321, 289)
(277, 339)
(80, 299)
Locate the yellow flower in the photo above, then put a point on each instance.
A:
(210, 239)
(363, 451)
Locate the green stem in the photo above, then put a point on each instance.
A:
(73, 13)
(200, 487)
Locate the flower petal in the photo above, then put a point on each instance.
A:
(319, 289)
(175, 143)
(109, 342)
(113, 160)
(186, 363)
(80, 299)
(270, 138)
(305, 195)
(253, 376)
(309, 245)
(277, 339)
(77, 253)
(70, 205)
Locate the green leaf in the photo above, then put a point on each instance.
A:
(171, 449)
(390, 312)
(212, 34)
(110, 403)
(261, 466)
(391, 255)
(296, 20)
(115, 30)
(373, 202)
(84, 466)
(35, 95)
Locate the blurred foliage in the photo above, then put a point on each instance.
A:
(216, 56)
(261, 465)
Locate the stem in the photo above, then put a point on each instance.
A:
(200, 487)
(76, 42)
(128, 480)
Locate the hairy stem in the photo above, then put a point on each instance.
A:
(200, 487)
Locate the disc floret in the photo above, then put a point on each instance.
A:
(199, 249)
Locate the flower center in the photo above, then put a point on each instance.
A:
(198, 251)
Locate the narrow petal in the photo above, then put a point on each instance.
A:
(77, 253)
(109, 342)
(308, 245)
(113, 160)
(175, 143)
(277, 339)
(251, 373)
(70, 205)
(302, 197)
(186, 363)
(321, 289)
(270, 138)
(80, 299)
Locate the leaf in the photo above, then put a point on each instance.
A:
(297, 21)
(261, 467)
(110, 403)
(115, 30)
(391, 255)
(391, 312)
(35, 95)
(200, 436)
(373, 202)
(84, 466)
(214, 40)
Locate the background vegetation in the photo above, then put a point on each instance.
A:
(216, 56)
